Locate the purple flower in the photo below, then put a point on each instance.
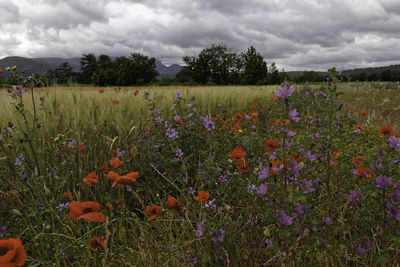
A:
(392, 211)
(178, 95)
(268, 242)
(19, 160)
(36, 171)
(306, 185)
(208, 123)
(309, 156)
(200, 228)
(191, 191)
(353, 196)
(285, 219)
(292, 115)
(223, 179)
(383, 182)
(263, 174)
(156, 111)
(300, 209)
(394, 143)
(290, 133)
(72, 144)
(179, 153)
(340, 106)
(285, 92)
(395, 196)
(62, 206)
(295, 168)
(327, 220)
(62, 252)
(251, 188)
(158, 119)
(171, 133)
(3, 231)
(322, 94)
(218, 236)
(263, 189)
(364, 246)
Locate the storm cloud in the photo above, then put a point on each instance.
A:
(295, 34)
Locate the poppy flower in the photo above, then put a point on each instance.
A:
(358, 161)
(105, 166)
(237, 153)
(364, 113)
(238, 116)
(359, 127)
(366, 173)
(271, 145)
(174, 204)
(202, 196)
(91, 178)
(81, 146)
(114, 153)
(162, 97)
(243, 165)
(335, 154)
(272, 99)
(116, 163)
(153, 211)
(87, 210)
(97, 242)
(109, 206)
(67, 194)
(148, 129)
(115, 101)
(278, 122)
(136, 92)
(253, 106)
(101, 91)
(308, 116)
(386, 130)
(254, 115)
(1, 71)
(122, 180)
(12, 253)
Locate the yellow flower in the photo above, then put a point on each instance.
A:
(8, 69)
(58, 137)
(240, 131)
(14, 67)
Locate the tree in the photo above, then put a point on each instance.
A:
(61, 75)
(88, 68)
(216, 64)
(255, 68)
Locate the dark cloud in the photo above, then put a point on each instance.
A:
(296, 34)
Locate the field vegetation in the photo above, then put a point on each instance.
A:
(200, 176)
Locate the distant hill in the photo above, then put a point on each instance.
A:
(42, 65)
(371, 70)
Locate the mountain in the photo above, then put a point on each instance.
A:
(43, 64)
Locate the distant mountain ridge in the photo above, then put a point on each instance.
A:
(42, 65)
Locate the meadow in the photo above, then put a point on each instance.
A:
(285, 175)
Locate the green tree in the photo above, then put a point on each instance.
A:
(255, 69)
(62, 75)
(89, 66)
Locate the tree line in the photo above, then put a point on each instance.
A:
(215, 65)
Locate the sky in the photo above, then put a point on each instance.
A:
(295, 34)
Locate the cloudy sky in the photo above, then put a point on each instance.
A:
(295, 34)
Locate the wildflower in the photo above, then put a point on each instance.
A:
(285, 219)
(105, 166)
(178, 95)
(358, 128)
(394, 143)
(322, 94)
(109, 206)
(81, 146)
(285, 92)
(200, 228)
(395, 196)
(353, 196)
(327, 220)
(62, 206)
(237, 153)
(243, 165)
(358, 161)
(364, 113)
(208, 123)
(72, 144)
(386, 130)
(202, 196)
(87, 210)
(307, 186)
(382, 182)
(393, 212)
(366, 173)
(101, 91)
(97, 242)
(171, 133)
(263, 189)
(136, 92)
(272, 99)
(174, 204)
(292, 115)
(218, 236)
(153, 211)
(122, 180)
(115, 101)
(3, 231)
(179, 153)
(271, 145)
(91, 178)
(1, 71)
(264, 173)
(19, 160)
(116, 163)
(364, 246)
(12, 253)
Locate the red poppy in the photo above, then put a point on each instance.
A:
(335, 154)
(364, 113)
(101, 91)
(272, 99)
(122, 180)
(114, 153)
(1, 71)
(87, 210)
(12, 252)
(386, 130)
(91, 178)
(97, 242)
(359, 127)
(148, 129)
(162, 97)
(278, 122)
(358, 161)
(366, 173)
(81, 146)
(253, 106)
(308, 116)
(115, 101)
(116, 163)
(153, 211)
(67, 194)
(202, 196)
(105, 166)
(238, 116)
(136, 92)
(243, 165)
(174, 204)
(271, 145)
(237, 153)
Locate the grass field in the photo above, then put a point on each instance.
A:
(236, 176)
